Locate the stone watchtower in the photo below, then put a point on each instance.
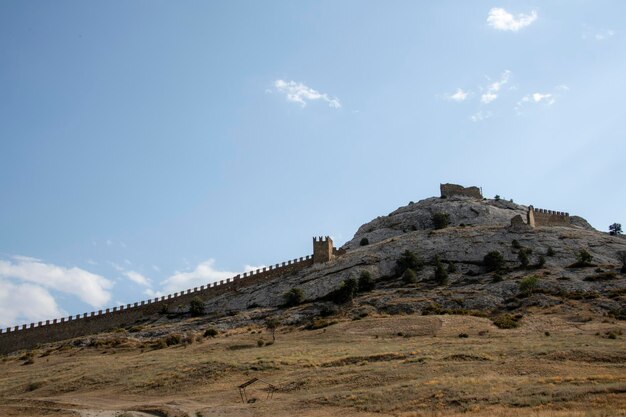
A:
(322, 249)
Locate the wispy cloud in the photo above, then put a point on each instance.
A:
(493, 89)
(301, 94)
(26, 303)
(500, 19)
(458, 96)
(137, 278)
(90, 288)
(597, 34)
(204, 273)
(480, 116)
(541, 98)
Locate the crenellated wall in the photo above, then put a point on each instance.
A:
(27, 336)
(542, 217)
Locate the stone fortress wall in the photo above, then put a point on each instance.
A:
(28, 336)
(449, 190)
(542, 217)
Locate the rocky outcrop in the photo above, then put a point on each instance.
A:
(476, 228)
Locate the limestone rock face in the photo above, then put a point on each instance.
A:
(476, 228)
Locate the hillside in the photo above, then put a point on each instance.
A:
(538, 333)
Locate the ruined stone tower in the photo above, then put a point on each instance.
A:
(322, 249)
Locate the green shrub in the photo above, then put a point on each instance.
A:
(272, 324)
(366, 282)
(463, 335)
(293, 297)
(345, 292)
(196, 307)
(451, 268)
(441, 220)
(506, 321)
(497, 277)
(440, 276)
(364, 242)
(497, 197)
(493, 261)
(515, 244)
(409, 277)
(522, 256)
(541, 262)
(210, 332)
(260, 342)
(529, 284)
(550, 252)
(583, 259)
(408, 260)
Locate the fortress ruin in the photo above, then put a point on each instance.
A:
(449, 190)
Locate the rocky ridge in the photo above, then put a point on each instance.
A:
(476, 228)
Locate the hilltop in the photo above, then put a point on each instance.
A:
(508, 308)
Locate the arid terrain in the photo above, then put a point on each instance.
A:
(403, 365)
(474, 316)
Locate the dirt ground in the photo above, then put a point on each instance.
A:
(410, 366)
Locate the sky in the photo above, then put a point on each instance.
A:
(149, 146)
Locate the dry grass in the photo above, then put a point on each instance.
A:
(399, 366)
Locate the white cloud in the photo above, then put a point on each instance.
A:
(136, 277)
(500, 19)
(203, 274)
(250, 268)
(89, 287)
(494, 88)
(597, 34)
(480, 116)
(459, 95)
(153, 294)
(300, 93)
(26, 303)
(541, 98)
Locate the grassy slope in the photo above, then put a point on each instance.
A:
(387, 365)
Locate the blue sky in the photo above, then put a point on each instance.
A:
(147, 147)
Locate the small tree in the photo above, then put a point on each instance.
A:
(441, 276)
(293, 297)
(196, 307)
(346, 291)
(441, 220)
(615, 229)
(409, 277)
(451, 268)
(408, 260)
(583, 258)
(550, 252)
(541, 261)
(522, 256)
(272, 324)
(529, 284)
(364, 242)
(497, 197)
(366, 283)
(516, 244)
(493, 261)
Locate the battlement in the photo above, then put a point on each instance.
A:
(542, 217)
(28, 335)
(323, 250)
(449, 190)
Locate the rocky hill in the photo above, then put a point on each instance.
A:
(469, 310)
(476, 227)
